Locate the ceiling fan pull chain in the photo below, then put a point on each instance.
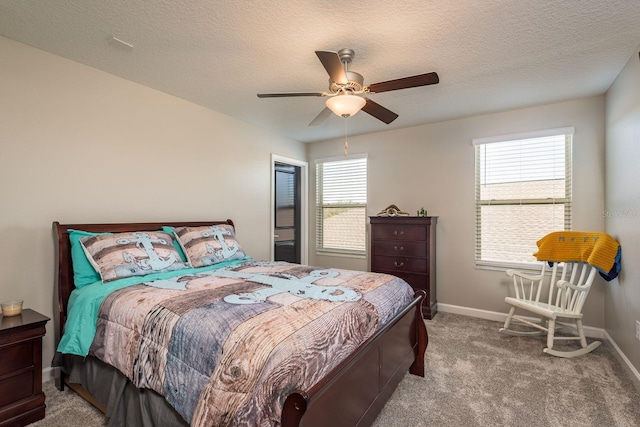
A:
(346, 143)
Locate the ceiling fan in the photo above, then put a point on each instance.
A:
(345, 86)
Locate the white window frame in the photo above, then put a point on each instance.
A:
(566, 200)
(320, 249)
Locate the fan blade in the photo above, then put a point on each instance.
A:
(379, 112)
(320, 118)
(285, 94)
(405, 83)
(331, 62)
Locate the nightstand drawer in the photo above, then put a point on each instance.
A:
(394, 263)
(399, 232)
(16, 357)
(413, 249)
(16, 388)
(21, 396)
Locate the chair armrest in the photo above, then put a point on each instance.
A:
(566, 284)
(517, 273)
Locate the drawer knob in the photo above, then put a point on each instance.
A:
(396, 248)
(398, 233)
(398, 264)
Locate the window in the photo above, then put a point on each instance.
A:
(523, 191)
(341, 205)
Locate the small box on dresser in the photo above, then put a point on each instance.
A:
(21, 396)
(405, 247)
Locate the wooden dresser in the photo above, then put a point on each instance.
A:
(21, 396)
(405, 247)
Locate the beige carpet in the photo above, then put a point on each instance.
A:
(475, 377)
(479, 377)
(66, 408)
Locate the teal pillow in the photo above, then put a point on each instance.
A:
(83, 272)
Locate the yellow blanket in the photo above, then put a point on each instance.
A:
(598, 249)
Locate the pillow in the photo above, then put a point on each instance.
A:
(169, 230)
(83, 272)
(116, 256)
(209, 245)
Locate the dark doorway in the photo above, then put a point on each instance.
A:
(287, 213)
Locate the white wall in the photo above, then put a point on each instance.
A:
(622, 297)
(432, 166)
(80, 145)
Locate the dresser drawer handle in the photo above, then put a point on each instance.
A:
(395, 248)
(398, 264)
(396, 233)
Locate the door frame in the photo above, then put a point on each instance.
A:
(304, 204)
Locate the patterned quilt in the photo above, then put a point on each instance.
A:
(226, 347)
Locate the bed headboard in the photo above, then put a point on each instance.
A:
(64, 269)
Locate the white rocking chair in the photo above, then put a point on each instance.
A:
(565, 300)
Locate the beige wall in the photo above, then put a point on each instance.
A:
(432, 166)
(79, 145)
(622, 297)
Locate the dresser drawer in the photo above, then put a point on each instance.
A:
(16, 357)
(399, 232)
(417, 281)
(16, 388)
(399, 248)
(396, 263)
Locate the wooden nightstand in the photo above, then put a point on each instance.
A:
(21, 396)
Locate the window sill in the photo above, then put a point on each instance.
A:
(498, 266)
(341, 254)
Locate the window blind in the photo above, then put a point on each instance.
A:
(523, 191)
(341, 205)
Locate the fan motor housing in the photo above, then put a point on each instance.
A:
(355, 84)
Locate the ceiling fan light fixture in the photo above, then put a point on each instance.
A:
(345, 105)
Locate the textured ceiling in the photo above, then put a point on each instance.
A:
(491, 55)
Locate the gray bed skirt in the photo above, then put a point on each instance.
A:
(126, 405)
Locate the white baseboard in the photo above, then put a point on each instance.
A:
(624, 358)
(48, 374)
(589, 331)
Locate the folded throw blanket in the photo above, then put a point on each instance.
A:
(597, 249)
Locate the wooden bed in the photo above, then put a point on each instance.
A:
(357, 388)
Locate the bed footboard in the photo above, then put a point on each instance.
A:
(354, 393)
